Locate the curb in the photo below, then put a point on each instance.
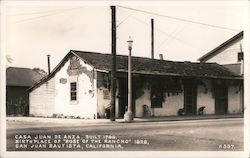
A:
(107, 121)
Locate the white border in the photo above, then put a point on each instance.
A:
(2, 79)
(246, 48)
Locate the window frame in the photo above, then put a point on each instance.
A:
(75, 90)
(73, 79)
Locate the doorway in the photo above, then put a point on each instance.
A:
(190, 98)
(221, 99)
(123, 97)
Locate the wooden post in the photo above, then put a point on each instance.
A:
(152, 38)
(113, 71)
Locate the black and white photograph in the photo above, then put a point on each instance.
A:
(125, 79)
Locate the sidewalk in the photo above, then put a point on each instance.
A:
(185, 118)
(94, 121)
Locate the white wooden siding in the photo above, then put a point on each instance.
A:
(228, 55)
(42, 99)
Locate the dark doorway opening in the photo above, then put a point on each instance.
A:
(123, 97)
(157, 93)
(221, 99)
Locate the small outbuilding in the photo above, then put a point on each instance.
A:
(18, 80)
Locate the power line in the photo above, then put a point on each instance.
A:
(54, 13)
(175, 32)
(179, 19)
(157, 29)
(123, 21)
(172, 36)
(37, 12)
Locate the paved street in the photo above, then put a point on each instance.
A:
(207, 135)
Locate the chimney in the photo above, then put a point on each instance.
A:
(48, 57)
(241, 60)
(161, 56)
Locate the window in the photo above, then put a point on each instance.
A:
(73, 91)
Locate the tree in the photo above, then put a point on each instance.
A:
(40, 71)
(9, 60)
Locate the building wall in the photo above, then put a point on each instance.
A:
(170, 106)
(17, 100)
(42, 99)
(234, 100)
(104, 94)
(85, 106)
(173, 103)
(102, 102)
(228, 55)
(205, 97)
(229, 59)
(53, 97)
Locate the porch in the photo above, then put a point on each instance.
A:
(174, 96)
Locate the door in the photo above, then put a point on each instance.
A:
(221, 99)
(190, 98)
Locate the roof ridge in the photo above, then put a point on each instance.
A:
(19, 67)
(221, 45)
(122, 55)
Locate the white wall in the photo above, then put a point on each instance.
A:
(102, 103)
(169, 108)
(228, 55)
(86, 104)
(53, 97)
(171, 105)
(42, 99)
(205, 98)
(143, 100)
(234, 97)
(175, 102)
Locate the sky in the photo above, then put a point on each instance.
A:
(33, 31)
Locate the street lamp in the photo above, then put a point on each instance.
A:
(128, 117)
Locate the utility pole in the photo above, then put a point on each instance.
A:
(113, 71)
(152, 38)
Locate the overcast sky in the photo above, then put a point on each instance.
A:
(33, 31)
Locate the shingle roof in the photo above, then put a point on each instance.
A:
(16, 76)
(140, 65)
(154, 66)
(221, 46)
